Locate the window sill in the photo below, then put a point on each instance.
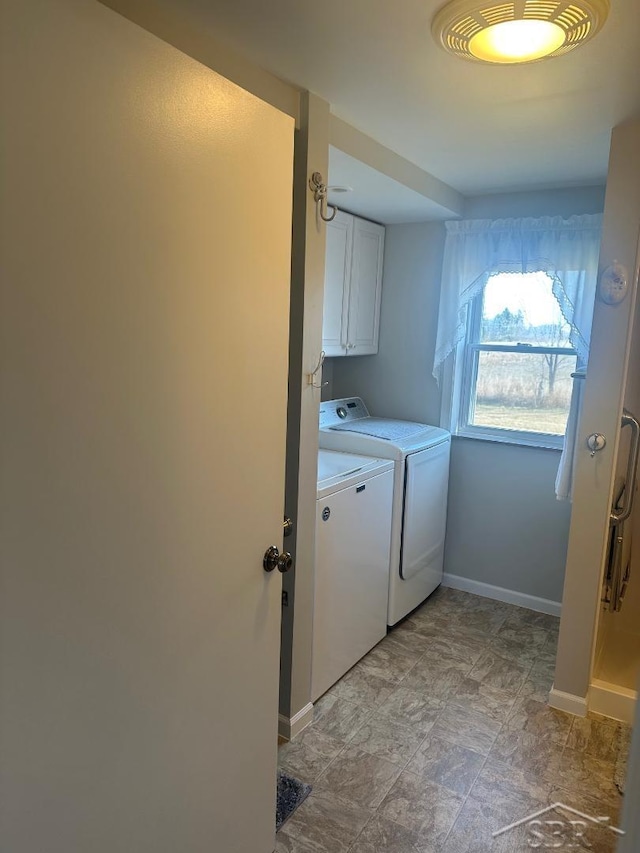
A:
(538, 441)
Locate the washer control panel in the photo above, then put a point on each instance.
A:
(339, 411)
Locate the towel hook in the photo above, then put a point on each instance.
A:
(317, 370)
(319, 190)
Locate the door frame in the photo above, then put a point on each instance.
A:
(602, 409)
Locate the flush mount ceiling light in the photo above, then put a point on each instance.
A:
(517, 31)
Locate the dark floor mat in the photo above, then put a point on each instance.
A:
(291, 793)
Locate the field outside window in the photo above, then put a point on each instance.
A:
(518, 360)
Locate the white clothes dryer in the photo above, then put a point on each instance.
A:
(421, 478)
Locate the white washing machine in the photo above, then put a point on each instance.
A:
(421, 479)
(351, 584)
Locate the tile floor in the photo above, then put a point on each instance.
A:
(441, 735)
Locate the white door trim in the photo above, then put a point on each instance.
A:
(290, 727)
(577, 705)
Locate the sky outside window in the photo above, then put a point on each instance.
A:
(521, 308)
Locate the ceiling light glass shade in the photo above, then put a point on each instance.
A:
(517, 41)
(517, 31)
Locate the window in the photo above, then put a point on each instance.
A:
(514, 322)
(513, 368)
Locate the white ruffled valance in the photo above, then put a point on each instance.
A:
(566, 249)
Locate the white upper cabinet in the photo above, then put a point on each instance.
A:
(352, 286)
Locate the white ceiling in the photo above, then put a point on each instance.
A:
(478, 128)
(376, 196)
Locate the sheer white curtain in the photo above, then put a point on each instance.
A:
(566, 249)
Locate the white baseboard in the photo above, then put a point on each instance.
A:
(568, 702)
(289, 727)
(498, 593)
(612, 701)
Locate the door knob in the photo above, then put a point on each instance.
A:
(595, 442)
(273, 559)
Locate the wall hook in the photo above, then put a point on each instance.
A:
(319, 190)
(318, 370)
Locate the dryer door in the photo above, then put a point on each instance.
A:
(425, 511)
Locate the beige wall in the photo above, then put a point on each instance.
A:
(505, 527)
(604, 394)
(183, 29)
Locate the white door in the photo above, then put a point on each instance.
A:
(146, 228)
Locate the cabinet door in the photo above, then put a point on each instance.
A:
(365, 289)
(336, 284)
